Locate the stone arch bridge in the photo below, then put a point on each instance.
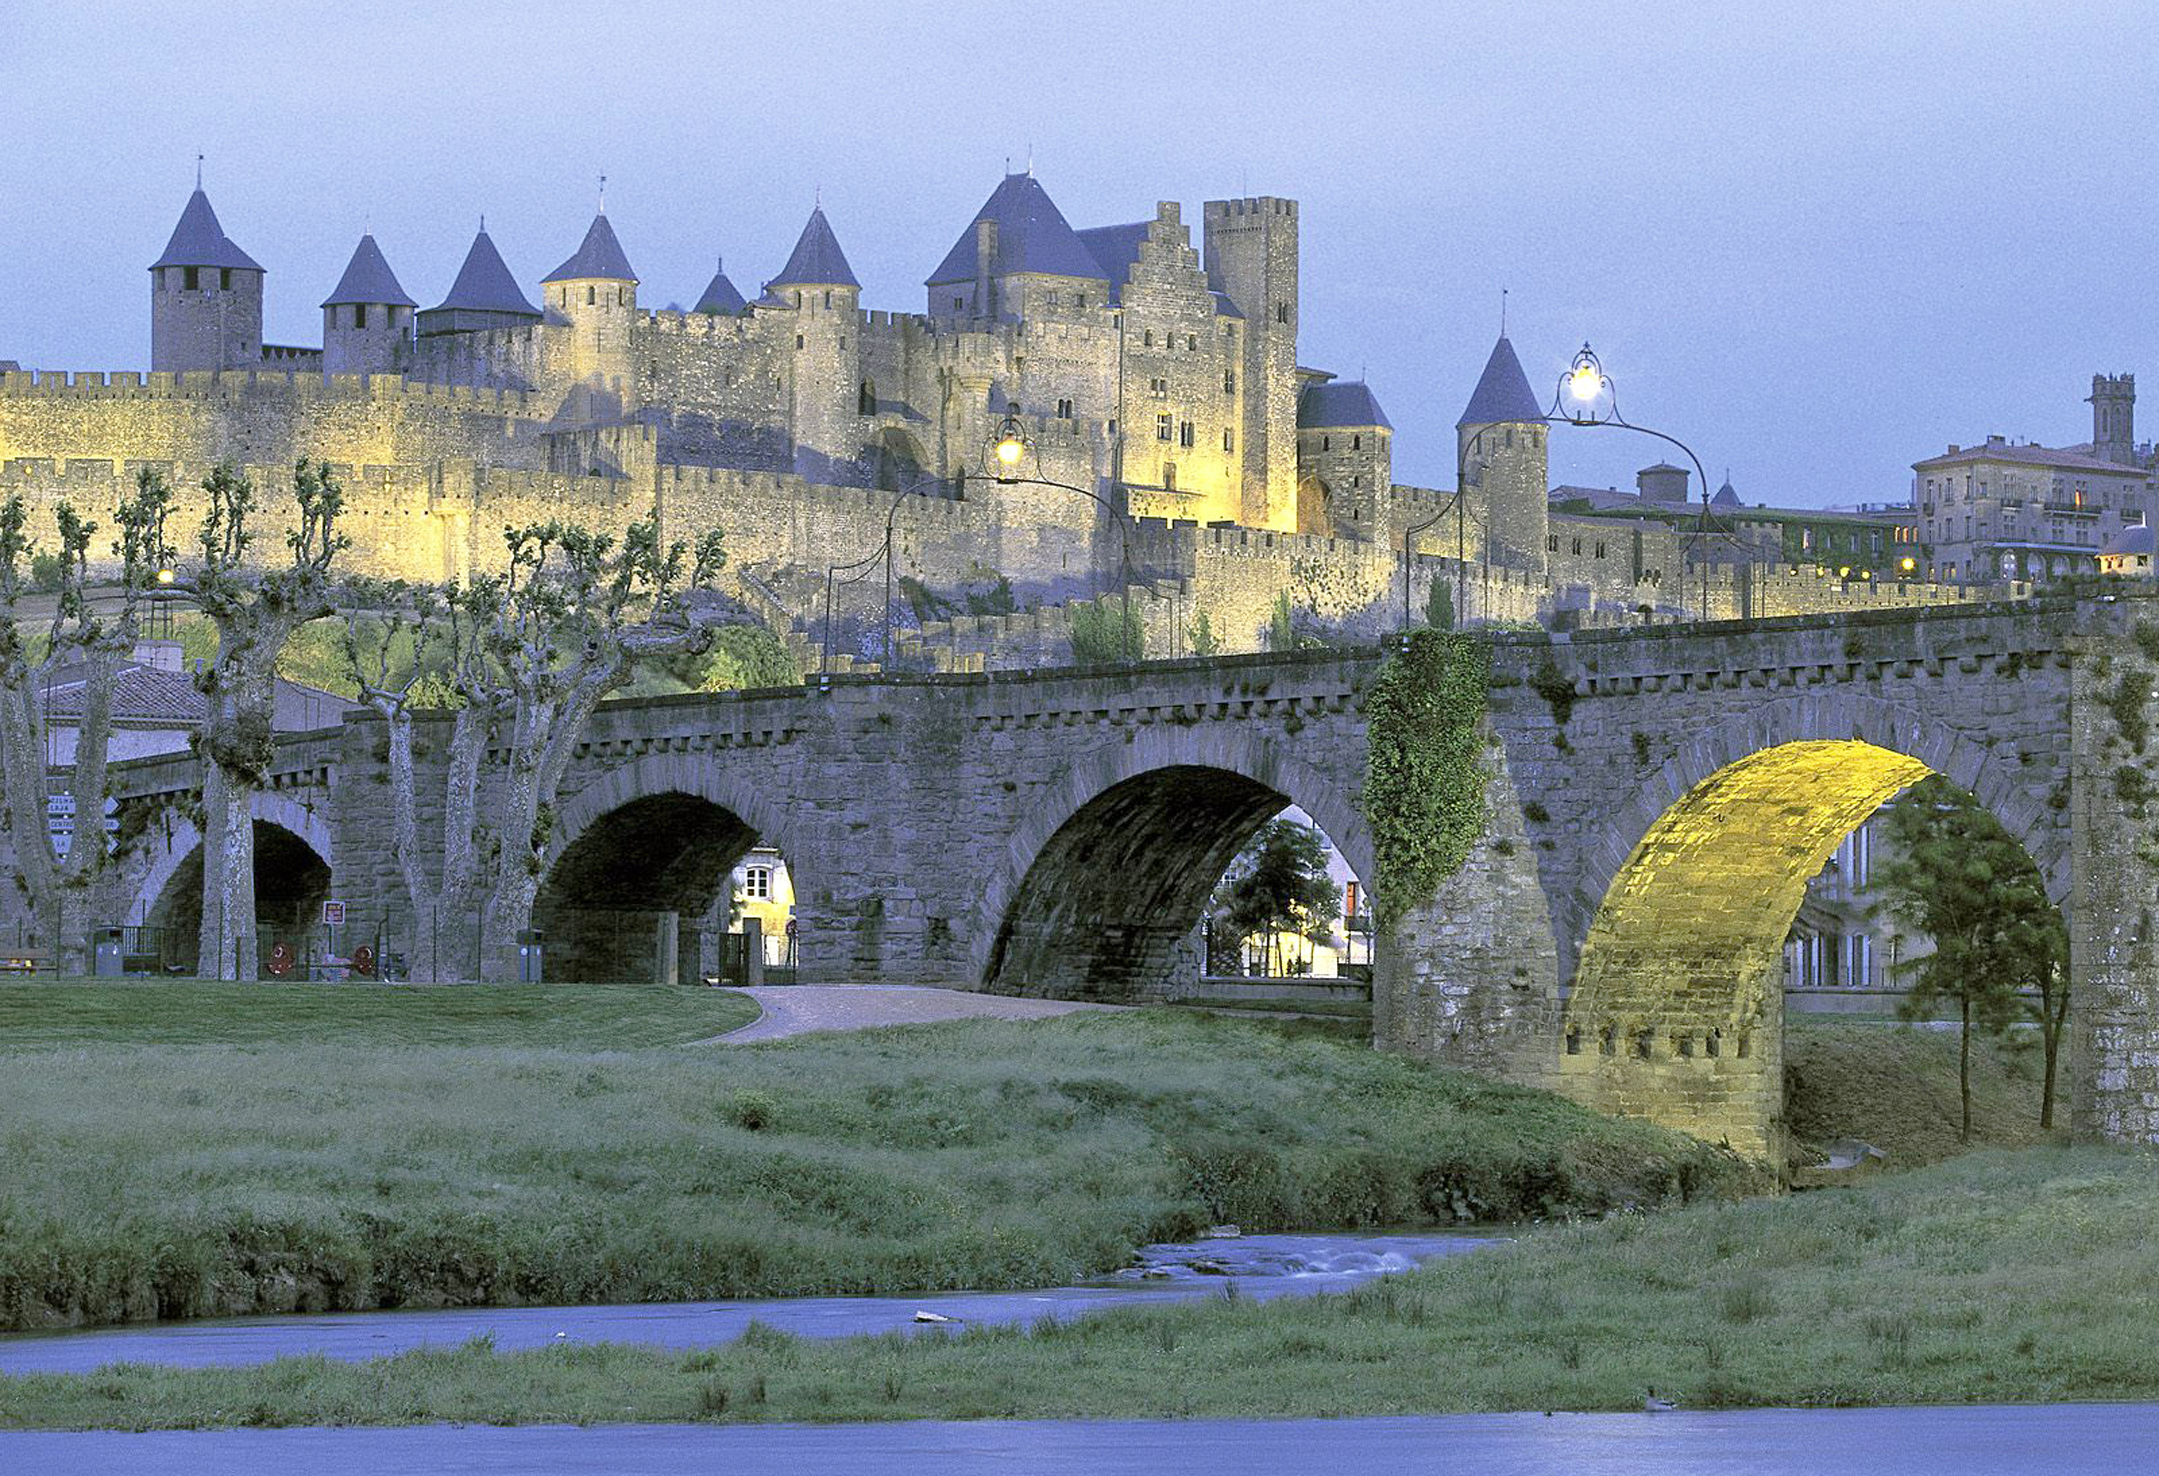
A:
(1656, 801)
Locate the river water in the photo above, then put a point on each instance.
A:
(2058, 1440)
(2038, 1440)
(1260, 1266)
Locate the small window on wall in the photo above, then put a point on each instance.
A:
(592, 296)
(1164, 428)
(359, 315)
(1229, 440)
(1079, 299)
(224, 278)
(1356, 443)
(191, 278)
(757, 883)
(1184, 433)
(1064, 409)
(1281, 312)
(1169, 476)
(1229, 381)
(1147, 340)
(1551, 543)
(958, 303)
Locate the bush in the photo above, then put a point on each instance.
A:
(1105, 634)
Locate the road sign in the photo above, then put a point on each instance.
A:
(333, 914)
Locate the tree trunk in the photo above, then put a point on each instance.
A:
(1964, 1065)
(2052, 1016)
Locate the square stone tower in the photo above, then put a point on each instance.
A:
(1251, 255)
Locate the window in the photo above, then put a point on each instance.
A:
(1163, 428)
(1053, 297)
(190, 278)
(1064, 409)
(1600, 550)
(1229, 381)
(866, 399)
(1191, 343)
(1148, 338)
(1079, 299)
(1326, 443)
(592, 295)
(828, 297)
(1551, 543)
(1169, 476)
(224, 278)
(359, 315)
(1356, 443)
(757, 883)
(622, 297)
(1159, 388)
(1577, 549)
(798, 340)
(1184, 433)
(1281, 312)
(958, 303)
(1229, 440)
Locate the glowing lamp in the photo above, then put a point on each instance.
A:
(1582, 383)
(1010, 446)
(164, 576)
(1844, 572)
(1908, 564)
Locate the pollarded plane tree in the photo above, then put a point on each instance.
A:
(423, 647)
(255, 606)
(88, 645)
(577, 612)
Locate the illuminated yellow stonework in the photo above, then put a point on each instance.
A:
(1676, 1012)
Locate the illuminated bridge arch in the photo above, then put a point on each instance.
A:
(1107, 876)
(1676, 1011)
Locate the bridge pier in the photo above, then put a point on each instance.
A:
(2114, 894)
(1470, 978)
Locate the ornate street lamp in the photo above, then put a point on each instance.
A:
(1010, 452)
(1587, 397)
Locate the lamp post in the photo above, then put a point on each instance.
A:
(863, 564)
(1009, 450)
(1587, 397)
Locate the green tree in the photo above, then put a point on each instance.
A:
(1281, 634)
(1279, 884)
(1439, 606)
(1105, 633)
(1204, 641)
(1958, 877)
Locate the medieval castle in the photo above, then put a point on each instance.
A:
(1157, 376)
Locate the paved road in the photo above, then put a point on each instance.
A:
(2041, 1440)
(798, 1009)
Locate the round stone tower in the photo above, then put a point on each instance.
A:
(1500, 441)
(595, 293)
(205, 297)
(367, 319)
(826, 354)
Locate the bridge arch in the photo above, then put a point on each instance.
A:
(1676, 1009)
(644, 843)
(1108, 875)
(295, 859)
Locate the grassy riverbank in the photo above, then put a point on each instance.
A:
(107, 1015)
(2003, 1276)
(349, 1167)
(1895, 1086)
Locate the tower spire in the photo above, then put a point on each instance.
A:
(198, 171)
(1502, 312)
(603, 194)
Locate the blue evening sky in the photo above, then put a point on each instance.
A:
(1817, 240)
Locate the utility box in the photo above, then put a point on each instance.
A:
(109, 958)
(531, 956)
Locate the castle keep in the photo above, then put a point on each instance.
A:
(1156, 372)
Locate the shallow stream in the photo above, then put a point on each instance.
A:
(1258, 1266)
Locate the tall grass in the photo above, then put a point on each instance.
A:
(172, 1181)
(2000, 1277)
